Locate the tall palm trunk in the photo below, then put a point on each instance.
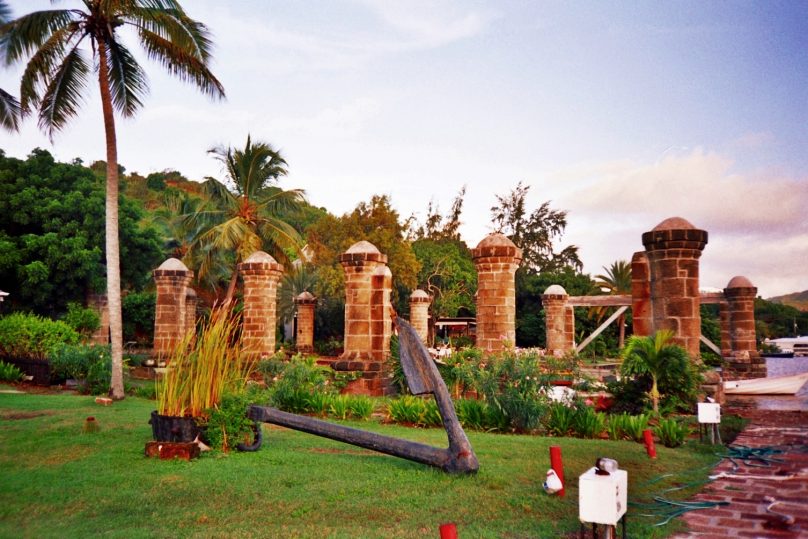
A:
(231, 287)
(111, 229)
(621, 324)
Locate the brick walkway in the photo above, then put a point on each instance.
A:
(751, 490)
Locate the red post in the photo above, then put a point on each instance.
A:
(557, 465)
(448, 531)
(649, 443)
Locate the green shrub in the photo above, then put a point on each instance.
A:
(406, 409)
(28, 336)
(228, 424)
(292, 383)
(9, 373)
(361, 407)
(671, 433)
(560, 419)
(616, 426)
(137, 309)
(90, 365)
(587, 423)
(84, 320)
(340, 406)
(146, 391)
(636, 425)
(319, 403)
(472, 413)
(431, 416)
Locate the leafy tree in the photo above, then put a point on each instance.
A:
(52, 235)
(56, 77)
(375, 221)
(617, 281)
(534, 233)
(775, 320)
(438, 227)
(653, 356)
(296, 280)
(447, 274)
(242, 214)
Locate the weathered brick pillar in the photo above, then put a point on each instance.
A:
(304, 338)
(419, 313)
(641, 312)
(381, 321)
(172, 279)
(745, 362)
(191, 301)
(723, 319)
(261, 274)
(559, 321)
(98, 302)
(359, 262)
(673, 249)
(496, 259)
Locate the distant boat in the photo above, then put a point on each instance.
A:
(778, 385)
(795, 345)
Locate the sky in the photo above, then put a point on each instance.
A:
(621, 113)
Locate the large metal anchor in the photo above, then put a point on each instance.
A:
(422, 377)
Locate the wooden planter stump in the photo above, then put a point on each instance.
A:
(172, 450)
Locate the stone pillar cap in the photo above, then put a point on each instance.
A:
(555, 290)
(261, 257)
(419, 296)
(305, 297)
(496, 244)
(173, 264)
(740, 282)
(362, 247)
(674, 223)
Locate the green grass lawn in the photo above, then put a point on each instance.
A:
(60, 482)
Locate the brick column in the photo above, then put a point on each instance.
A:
(559, 321)
(641, 312)
(98, 302)
(191, 301)
(673, 249)
(723, 319)
(419, 313)
(172, 279)
(745, 362)
(304, 337)
(496, 259)
(261, 274)
(359, 263)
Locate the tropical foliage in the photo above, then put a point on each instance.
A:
(616, 281)
(57, 73)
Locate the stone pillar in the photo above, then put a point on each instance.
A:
(359, 263)
(172, 279)
(261, 274)
(98, 302)
(559, 321)
(304, 337)
(744, 362)
(419, 313)
(191, 301)
(723, 319)
(381, 321)
(673, 249)
(496, 259)
(641, 312)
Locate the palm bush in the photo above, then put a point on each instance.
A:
(9, 373)
(407, 410)
(671, 432)
(361, 407)
(587, 423)
(340, 406)
(202, 368)
(635, 426)
(560, 419)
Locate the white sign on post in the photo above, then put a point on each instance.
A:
(709, 412)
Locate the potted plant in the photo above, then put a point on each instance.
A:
(200, 370)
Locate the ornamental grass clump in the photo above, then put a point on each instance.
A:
(203, 367)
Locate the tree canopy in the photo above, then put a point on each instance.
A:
(52, 234)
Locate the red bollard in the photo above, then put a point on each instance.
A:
(557, 465)
(448, 531)
(649, 443)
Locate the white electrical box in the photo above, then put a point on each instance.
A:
(709, 412)
(602, 499)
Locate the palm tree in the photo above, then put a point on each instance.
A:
(58, 71)
(616, 281)
(242, 215)
(653, 355)
(9, 107)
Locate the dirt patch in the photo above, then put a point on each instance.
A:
(24, 415)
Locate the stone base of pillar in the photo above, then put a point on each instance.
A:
(713, 386)
(304, 349)
(370, 383)
(745, 366)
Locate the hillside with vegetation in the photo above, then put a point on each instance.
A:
(798, 300)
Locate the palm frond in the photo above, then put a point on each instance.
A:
(181, 63)
(289, 200)
(43, 64)
(218, 193)
(5, 12)
(21, 37)
(169, 21)
(63, 94)
(10, 111)
(127, 81)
